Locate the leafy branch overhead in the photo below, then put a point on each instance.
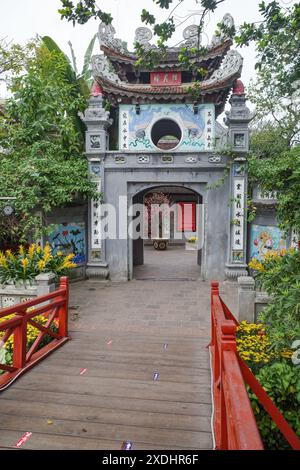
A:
(83, 11)
(276, 36)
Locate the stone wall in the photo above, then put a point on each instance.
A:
(12, 294)
(250, 301)
(131, 177)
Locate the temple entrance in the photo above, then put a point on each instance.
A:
(172, 249)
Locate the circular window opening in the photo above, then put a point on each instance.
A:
(166, 134)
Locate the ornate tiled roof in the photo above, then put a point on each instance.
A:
(221, 79)
(111, 68)
(117, 50)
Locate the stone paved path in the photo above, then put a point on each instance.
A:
(175, 263)
(118, 334)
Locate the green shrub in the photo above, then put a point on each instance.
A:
(279, 276)
(281, 381)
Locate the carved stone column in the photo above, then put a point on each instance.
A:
(97, 121)
(237, 120)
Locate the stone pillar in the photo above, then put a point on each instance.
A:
(45, 283)
(246, 299)
(237, 120)
(97, 121)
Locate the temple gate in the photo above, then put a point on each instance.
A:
(156, 134)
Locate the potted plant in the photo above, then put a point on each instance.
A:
(19, 271)
(192, 244)
(21, 268)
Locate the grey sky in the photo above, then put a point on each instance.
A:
(21, 20)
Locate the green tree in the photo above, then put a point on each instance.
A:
(275, 167)
(277, 39)
(13, 57)
(41, 147)
(81, 82)
(272, 105)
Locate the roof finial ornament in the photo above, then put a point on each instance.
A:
(228, 22)
(106, 35)
(96, 89)
(143, 36)
(238, 88)
(191, 36)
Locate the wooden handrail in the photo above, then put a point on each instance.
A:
(234, 423)
(53, 306)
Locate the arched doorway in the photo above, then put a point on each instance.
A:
(182, 258)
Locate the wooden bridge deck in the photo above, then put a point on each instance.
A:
(118, 334)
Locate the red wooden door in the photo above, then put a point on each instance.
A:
(187, 217)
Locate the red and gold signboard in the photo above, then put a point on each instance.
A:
(165, 78)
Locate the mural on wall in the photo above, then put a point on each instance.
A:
(198, 130)
(266, 239)
(69, 238)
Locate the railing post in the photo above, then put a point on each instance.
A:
(214, 291)
(228, 343)
(246, 299)
(45, 283)
(20, 343)
(63, 311)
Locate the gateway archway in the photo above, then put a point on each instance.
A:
(173, 249)
(161, 134)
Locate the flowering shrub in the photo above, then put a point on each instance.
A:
(25, 265)
(279, 276)
(255, 348)
(253, 345)
(6, 353)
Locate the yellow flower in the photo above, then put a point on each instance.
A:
(47, 249)
(271, 255)
(47, 253)
(253, 344)
(67, 264)
(32, 332)
(3, 261)
(256, 265)
(59, 253)
(21, 250)
(10, 255)
(41, 264)
(31, 250)
(69, 257)
(25, 263)
(287, 354)
(47, 258)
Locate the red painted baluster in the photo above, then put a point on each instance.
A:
(20, 342)
(227, 343)
(63, 311)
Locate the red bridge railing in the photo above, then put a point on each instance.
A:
(54, 307)
(234, 423)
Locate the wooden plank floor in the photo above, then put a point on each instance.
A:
(117, 399)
